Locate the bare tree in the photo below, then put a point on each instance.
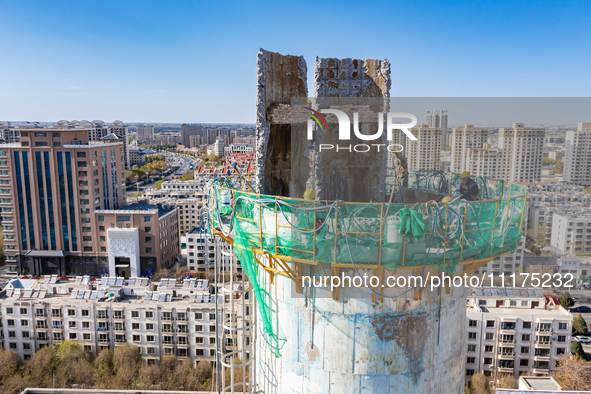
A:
(573, 373)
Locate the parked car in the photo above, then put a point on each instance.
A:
(580, 309)
(583, 339)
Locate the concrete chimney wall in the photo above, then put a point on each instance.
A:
(279, 79)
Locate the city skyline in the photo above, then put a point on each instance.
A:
(149, 62)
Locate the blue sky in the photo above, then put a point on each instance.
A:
(190, 61)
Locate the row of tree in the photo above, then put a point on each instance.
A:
(68, 366)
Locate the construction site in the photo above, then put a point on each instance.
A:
(309, 215)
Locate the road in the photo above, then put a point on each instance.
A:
(183, 162)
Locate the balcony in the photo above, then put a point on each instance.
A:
(541, 370)
(119, 327)
(505, 369)
(506, 356)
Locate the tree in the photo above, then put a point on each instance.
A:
(577, 349)
(507, 382)
(579, 325)
(559, 167)
(448, 148)
(479, 385)
(573, 373)
(204, 371)
(542, 242)
(566, 300)
(10, 363)
(158, 184)
(41, 367)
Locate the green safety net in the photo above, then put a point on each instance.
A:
(389, 235)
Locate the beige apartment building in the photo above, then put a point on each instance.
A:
(577, 159)
(51, 183)
(425, 152)
(137, 240)
(462, 141)
(523, 151)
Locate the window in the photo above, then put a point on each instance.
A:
(85, 312)
(85, 324)
(473, 323)
(523, 303)
(24, 323)
(123, 218)
(198, 328)
(211, 328)
(148, 250)
(198, 316)
(562, 338)
(562, 326)
(72, 324)
(136, 338)
(525, 337)
(149, 326)
(488, 361)
(199, 340)
(524, 362)
(148, 229)
(471, 348)
(24, 311)
(82, 164)
(488, 349)
(81, 154)
(9, 311)
(12, 345)
(212, 352)
(198, 352)
(150, 338)
(148, 240)
(490, 323)
(135, 326)
(101, 218)
(560, 351)
(135, 314)
(490, 336)
(11, 334)
(212, 316)
(146, 219)
(513, 303)
(526, 325)
(73, 335)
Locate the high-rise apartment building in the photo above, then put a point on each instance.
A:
(523, 151)
(462, 141)
(438, 119)
(145, 133)
(485, 162)
(51, 182)
(187, 130)
(577, 159)
(425, 152)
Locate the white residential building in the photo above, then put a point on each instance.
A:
(523, 151)
(515, 331)
(176, 319)
(571, 233)
(238, 148)
(577, 159)
(204, 253)
(145, 133)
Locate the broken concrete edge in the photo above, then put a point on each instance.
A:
(264, 60)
